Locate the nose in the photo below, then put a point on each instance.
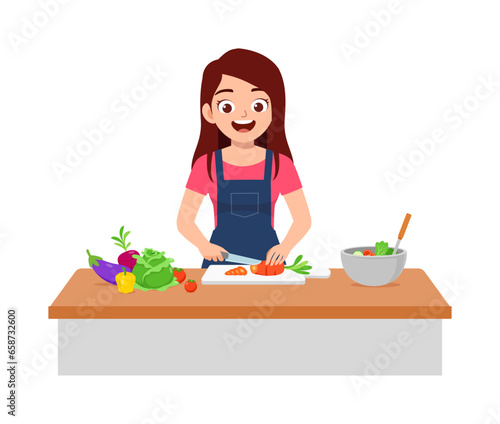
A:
(244, 114)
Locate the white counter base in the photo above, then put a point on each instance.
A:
(250, 347)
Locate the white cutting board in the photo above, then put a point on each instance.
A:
(215, 275)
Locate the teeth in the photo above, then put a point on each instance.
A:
(244, 121)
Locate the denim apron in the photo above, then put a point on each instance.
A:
(243, 214)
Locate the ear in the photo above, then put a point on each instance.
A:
(206, 111)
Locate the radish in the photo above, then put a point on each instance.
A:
(126, 258)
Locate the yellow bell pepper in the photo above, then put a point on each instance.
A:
(125, 281)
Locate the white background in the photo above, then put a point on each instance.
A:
(350, 120)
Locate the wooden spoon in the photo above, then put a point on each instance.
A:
(402, 232)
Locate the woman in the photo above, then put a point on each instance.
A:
(243, 162)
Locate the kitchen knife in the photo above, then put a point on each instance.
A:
(240, 259)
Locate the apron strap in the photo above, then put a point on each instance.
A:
(269, 165)
(219, 169)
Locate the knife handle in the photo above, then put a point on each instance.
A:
(225, 255)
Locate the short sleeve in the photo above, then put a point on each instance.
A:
(198, 178)
(287, 179)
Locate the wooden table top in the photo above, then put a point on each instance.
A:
(412, 295)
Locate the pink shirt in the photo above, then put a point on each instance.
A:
(286, 181)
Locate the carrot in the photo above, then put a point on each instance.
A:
(236, 271)
(263, 269)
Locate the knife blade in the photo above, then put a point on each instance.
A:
(240, 259)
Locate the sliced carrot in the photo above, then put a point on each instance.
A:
(236, 271)
(263, 269)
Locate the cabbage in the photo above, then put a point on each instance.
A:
(153, 271)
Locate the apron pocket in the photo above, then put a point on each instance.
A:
(244, 205)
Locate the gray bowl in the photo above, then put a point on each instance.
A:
(372, 270)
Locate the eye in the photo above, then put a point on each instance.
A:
(259, 105)
(225, 106)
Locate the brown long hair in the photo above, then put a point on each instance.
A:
(255, 69)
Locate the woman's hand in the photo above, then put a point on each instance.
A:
(212, 252)
(277, 254)
(301, 223)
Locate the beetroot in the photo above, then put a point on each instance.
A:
(126, 258)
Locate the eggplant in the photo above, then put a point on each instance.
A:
(106, 270)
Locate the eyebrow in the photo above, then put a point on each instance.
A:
(256, 89)
(226, 90)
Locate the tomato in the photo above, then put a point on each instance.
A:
(367, 252)
(180, 274)
(190, 286)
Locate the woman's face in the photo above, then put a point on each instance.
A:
(240, 110)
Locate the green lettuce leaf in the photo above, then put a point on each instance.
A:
(381, 248)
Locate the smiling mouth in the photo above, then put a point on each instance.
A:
(243, 125)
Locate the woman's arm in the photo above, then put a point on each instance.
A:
(297, 204)
(185, 224)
